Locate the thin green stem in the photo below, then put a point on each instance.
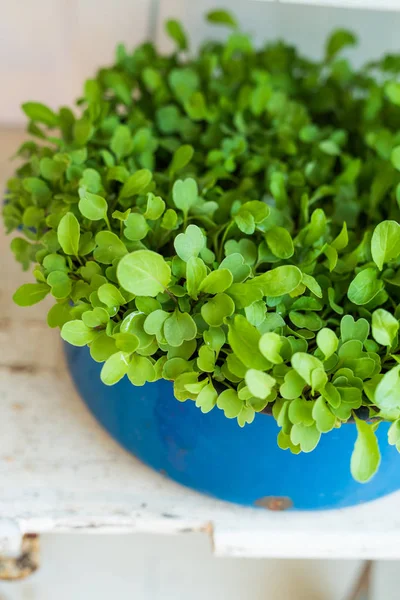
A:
(221, 248)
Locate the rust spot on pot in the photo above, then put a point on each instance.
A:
(274, 502)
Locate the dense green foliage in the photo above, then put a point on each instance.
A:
(230, 222)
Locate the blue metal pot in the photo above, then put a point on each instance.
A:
(212, 454)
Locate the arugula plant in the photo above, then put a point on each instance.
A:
(228, 221)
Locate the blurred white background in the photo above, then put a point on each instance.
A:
(47, 48)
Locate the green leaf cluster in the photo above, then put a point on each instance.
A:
(229, 221)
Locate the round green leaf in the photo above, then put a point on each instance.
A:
(216, 281)
(217, 309)
(280, 242)
(364, 287)
(143, 273)
(77, 334)
(384, 327)
(92, 206)
(115, 367)
(385, 243)
(260, 384)
(136, 227)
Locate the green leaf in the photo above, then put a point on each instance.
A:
(206, 359)
(58, 315)
(307, 437)
(136, 183)
(83, 131)
(260, 384)
(207, 398)
(327, 342)
(244, 340)
(154, 322)
(337, 41)
(270, 345)
(115, 368)
(140, 370)
(217, 309)
(300, 411)
(216, 281)
(176, 33)
(324, 419)
(244, 294)
(121, 141)
(127, 342)
(354, 330)
(394, 433)
(221, 17)
(392, 91)
(182, 157)
(366, 457)
(102, 347)
(76, 333)
(60, 284)
(235, 263)
(96, 317)
(179, 327)
(312, 284)
(190, 243)
(30, 293)
(280, 242)
(387, 392)
(50, 169)
(39, 190)
(230, 403)
(143, 273)
(385, 243)
(109, 247)
(305, 365)
(136, 227)
(68, 234)
(185, 194)
(215, 338)
(170, 219)
(384, 327)
(196, 272)
(110, 295)
(41, 113)
(279, 281)
(364, 287)
(155, 207)
(293, 385)
(92, 206)
(395, 157)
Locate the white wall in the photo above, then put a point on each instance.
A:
(48, 47)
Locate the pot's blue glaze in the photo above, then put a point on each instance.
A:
(214, 455)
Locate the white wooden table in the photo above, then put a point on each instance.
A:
(59, 471)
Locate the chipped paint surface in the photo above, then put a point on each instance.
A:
(60, 472)
(23, 565)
